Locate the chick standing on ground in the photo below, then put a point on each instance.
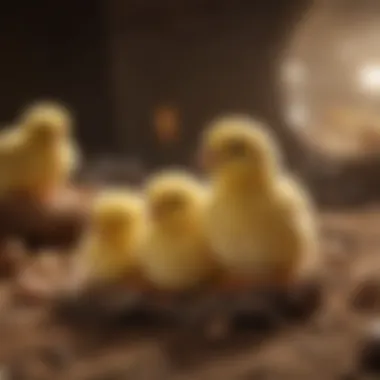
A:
(259, 221)
(10, 142)
(116, 230)
(46, 156)
(176, 255)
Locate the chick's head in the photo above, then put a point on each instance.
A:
(116, 214)
(46, 122)
(239, 146)
(173, 198)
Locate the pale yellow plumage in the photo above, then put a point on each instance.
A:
(117, 223)
(176, 255)
(45, 156)
(10, 143)
(260, 222)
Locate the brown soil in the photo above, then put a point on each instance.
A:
(33, 345)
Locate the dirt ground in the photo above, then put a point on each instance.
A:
(34, 346)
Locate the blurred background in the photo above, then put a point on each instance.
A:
(143, 77)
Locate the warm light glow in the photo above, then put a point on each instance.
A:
(369, 78)
(333, 61)
(297, 115)
(294, 72)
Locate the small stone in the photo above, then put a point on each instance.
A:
(55, 357)
(366, 297)
(73, 311)
(109, 376)
(260, 373)
(16, 372)
(300, 302)
(218, 329)
(4, 374)
(369, 351)
(257, 313)
(349, 376)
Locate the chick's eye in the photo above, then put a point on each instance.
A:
(175, 202)
(116, 221)
(40, 127)
(236, 149)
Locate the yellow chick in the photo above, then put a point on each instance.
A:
(176, 255)
(109, 249)
(259, 219)
(46, 156)
(10, 141)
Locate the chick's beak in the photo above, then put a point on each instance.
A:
(155, 212)
(49, 137)
(113, 229)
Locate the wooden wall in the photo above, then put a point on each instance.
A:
(58, 49)
(205, 57)
(112, 61)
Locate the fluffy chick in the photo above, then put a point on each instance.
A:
(10, 142)
(259, 220)
(51, 112)
(176, 255)
(116, 229)
(47, 155)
